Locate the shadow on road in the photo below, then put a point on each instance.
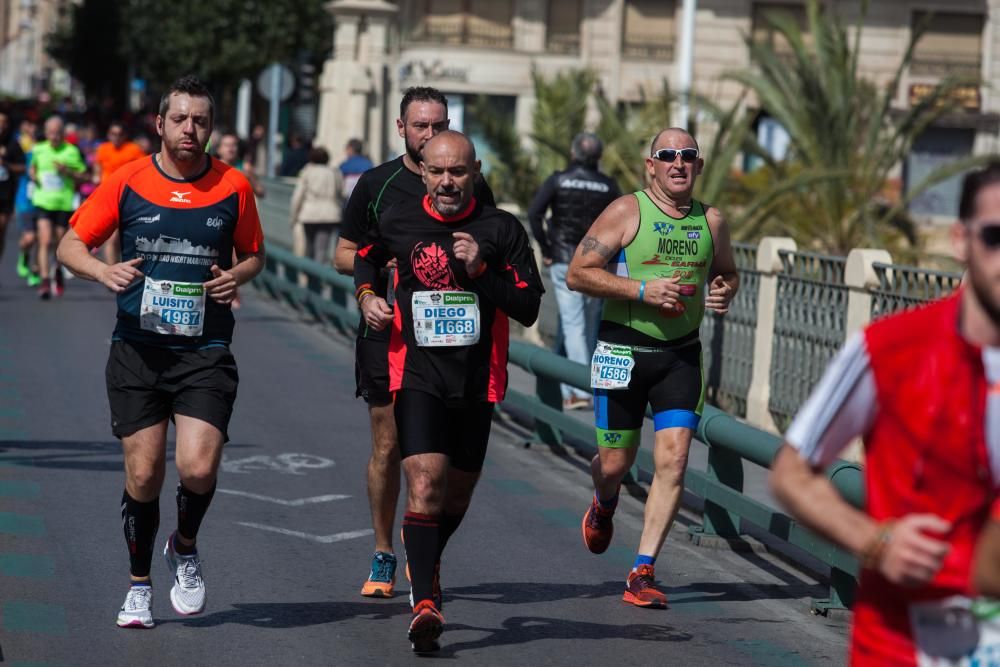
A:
(280, 615)
(523, 629)
(528, 592)
(72, 454)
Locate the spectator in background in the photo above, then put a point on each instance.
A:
(144, 143)
(111, 155)
(11, 169)
(229, 152)
(355, 163)
(317, 204)
(295, 157)
(257, 149)
(575, 197)
(27, 260)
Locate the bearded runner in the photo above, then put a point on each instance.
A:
(463, 268)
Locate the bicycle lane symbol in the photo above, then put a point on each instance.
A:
(288, 464)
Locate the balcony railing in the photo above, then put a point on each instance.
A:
(563, 42)
(467, 30)
(654, 49)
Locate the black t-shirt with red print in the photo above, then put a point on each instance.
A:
(421, 240)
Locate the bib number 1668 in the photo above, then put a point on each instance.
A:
(454, 327)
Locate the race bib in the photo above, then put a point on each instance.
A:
(445, 319)
(611, 366)
(51, 180)
(956, 632)
(172, 308)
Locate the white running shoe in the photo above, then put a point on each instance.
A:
(187, 595)
(137, 612)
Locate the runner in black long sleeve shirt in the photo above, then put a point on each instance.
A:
(462, 268)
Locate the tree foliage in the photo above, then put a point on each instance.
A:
(846, 139)
(221, 41)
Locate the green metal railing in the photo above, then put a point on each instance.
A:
(809, 327)
(328, 296)
(728, 341)
(906, 286)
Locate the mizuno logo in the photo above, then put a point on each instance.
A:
(180, 197)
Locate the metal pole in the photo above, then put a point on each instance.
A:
(243, 109)
(272, 121)
(685, 64)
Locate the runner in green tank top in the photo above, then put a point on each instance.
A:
(659, 258)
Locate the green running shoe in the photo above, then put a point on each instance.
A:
(23, 270)
(34, 280)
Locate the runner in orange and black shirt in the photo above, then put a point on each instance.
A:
(462, 269)
(181, 215)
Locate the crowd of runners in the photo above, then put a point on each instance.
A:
(439, 270)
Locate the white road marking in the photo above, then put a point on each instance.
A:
(298, 502)
(322, 539)
(289, 463)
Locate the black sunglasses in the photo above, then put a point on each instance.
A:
(670, 154)
(989, 234)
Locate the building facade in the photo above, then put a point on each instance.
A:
(471, 47)
(25, 67)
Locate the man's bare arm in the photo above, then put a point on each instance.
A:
(74, 254)
(612, 230)
(987, 573)
(724, 280)
(907, 551)
(587, 271)
(343, 256)
(813, 500)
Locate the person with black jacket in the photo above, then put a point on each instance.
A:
(575, 197)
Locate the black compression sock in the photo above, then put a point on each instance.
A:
(191, 509)
(140, 522)
(448, 525)
(420, 535)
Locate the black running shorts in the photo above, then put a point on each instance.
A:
(429, 425)
(371, 371)
(668, 379)
(57, 218)
(149, 384)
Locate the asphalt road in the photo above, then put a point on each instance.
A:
(286, 544)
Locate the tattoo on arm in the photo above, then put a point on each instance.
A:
(589, 244)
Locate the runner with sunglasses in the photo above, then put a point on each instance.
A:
(658, 258)
(921, 388)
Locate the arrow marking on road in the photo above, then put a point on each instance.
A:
(298, 502)
(322, 539)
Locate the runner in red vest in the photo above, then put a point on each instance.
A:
(916, 387)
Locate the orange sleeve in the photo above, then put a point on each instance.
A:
(248, 237)
(134, 152)
(101, 157)
(97, 218)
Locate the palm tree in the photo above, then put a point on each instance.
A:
(845, 139)
(559, 114)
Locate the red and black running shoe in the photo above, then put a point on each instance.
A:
(640, 589)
